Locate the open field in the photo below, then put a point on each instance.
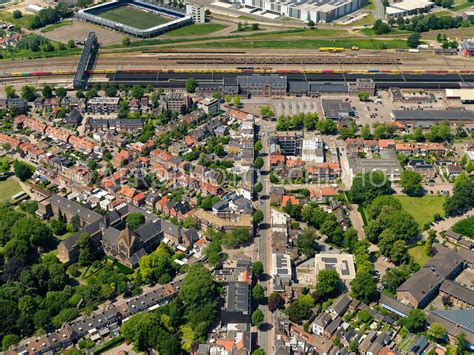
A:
(79, 31)
(133, 17)
(305, 44)
(197, 29)
(422, 208)
(24, 21)
(419, 255)
(8, 188)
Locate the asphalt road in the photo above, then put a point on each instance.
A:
(379, 10)
(265, 334)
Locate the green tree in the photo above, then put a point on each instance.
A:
(22, 170)
(258, 293)
(126, 41)
(191, 85)
(363, 96)
(414, 40)
(214, 254)
(71, 44)
(135, 220)
(28, 92)
(199, 292)
(17, 14)
(393, 278)
(328, 284)
(47, 92)
(259, 351)
(10, 91)
(75, 222)
(367, 187)
(411, 182)
(306, 242)
(9, 340)
(461, 343)
(436, 332)
(57, 226)
(258, 163)
(327, 126)
(415, 322)
(364, 287)
(258, 217)
(301, 308)
(257, 317)
(258, 146)
(236, 101)
(89, 250)
(266, 112)
(137, 91)
(257, 269)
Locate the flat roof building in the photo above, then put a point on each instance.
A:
(307, 10)
(313, 150)
(342, 263)
(282, 271)
(452, 116)
(335, 109)
(466, 96)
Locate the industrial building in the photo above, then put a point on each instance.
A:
(422, 118)
(407, 7)
(307, 10)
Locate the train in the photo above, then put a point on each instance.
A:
(237, 70)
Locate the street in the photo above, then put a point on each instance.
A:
(265, 333)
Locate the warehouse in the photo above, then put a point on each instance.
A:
(307, 10)
(413, 117)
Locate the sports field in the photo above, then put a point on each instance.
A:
(133, 17)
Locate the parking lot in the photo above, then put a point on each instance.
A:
(293, 107)
(79, 31)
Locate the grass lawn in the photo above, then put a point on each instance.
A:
(306, 44)
(461, 5)
(64, 236)
(8, 188)
(370, 32)
(422, 208)
(465, 227)
(133, 17)
(419, 255)
(56, 25)
(363, 215)
(197, 29)
(24, 21)
(317, 32)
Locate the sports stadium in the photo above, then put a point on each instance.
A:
(136, 18)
